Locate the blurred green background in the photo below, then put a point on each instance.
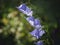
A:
(14, 29)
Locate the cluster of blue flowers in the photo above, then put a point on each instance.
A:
(37, 32)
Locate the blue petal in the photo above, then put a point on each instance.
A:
(28, 11)
(37, 33)
(39, 43)
(37, 23)
(24, 9)
(30, 20)
(34, 32)
(41, 32)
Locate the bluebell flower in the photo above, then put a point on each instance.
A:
(37, 33)
(41, 32)
(30, 20)
(37, 23)
(24, 9)
(39, 42)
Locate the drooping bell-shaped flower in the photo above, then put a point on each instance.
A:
(24, 9)
(37, 23)
(37, 33)
(41, 32)
(30, 20)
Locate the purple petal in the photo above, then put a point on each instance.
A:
(28, 12)
(39, 43)
(37, 23)
(41, 32)
(37, 33)
(30, 20)
(24, 9)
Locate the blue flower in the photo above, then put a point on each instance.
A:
(30, 20)
(37, 23)
(39, 42)
(24, 9)
(37, 33)
(41, 32)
